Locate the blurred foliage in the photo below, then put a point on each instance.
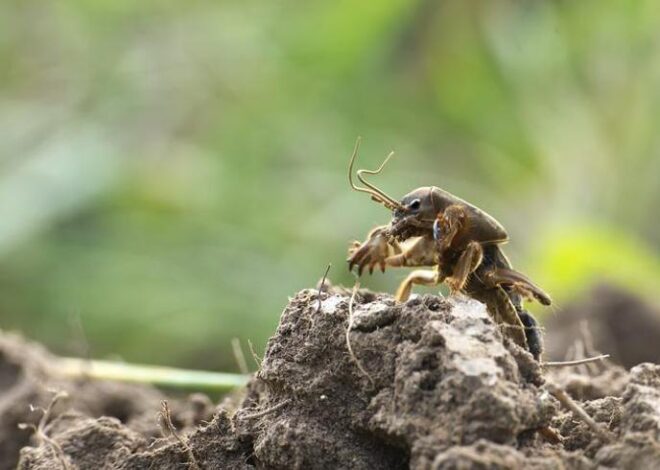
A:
(573, 257)
(170, 172)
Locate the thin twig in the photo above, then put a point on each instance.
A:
(570, 353)
(255, 356)
(239, 356)
(261, 413)
(589, 347)
(559, 393)
(576, 362)
(348, 333)
(166, 420)
(318, 297)
(325, 276)
(587, 338)
(40, 433)
(580, 353)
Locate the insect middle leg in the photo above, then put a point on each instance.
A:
(467, 263)
(424, 277)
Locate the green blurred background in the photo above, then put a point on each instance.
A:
(170, 172)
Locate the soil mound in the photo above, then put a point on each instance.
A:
(429, 384)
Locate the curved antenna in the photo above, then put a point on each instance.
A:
(376, 190)
(376, 194)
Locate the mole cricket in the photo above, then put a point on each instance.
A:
(462, 245)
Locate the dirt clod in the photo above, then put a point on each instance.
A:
(444, 390)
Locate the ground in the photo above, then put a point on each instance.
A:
(429, 384)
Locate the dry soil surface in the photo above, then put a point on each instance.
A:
(430, 384)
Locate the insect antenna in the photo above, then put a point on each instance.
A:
(376, 194)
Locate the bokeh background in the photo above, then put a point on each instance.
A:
(171, 172)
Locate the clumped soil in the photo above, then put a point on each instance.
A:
(28, 385)
(430, 384)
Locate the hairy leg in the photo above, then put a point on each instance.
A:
(420, 253)
(373, 251)
(518, 282)
(467, 263)
(378, 251)
(423, 277)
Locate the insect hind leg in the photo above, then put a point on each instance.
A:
(532, 333)
(513, 280)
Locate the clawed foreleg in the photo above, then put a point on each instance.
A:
(380, 250)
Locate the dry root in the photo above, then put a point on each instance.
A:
(165, 422)
(39, 430)
(261, 413)
(348, 334)
(587, 360)
(255, 356)
(239, 356)
(559, 393)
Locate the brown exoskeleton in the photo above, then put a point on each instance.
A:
(461, 242)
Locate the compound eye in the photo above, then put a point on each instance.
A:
(415, 204)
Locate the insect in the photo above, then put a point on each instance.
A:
(433, 228)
